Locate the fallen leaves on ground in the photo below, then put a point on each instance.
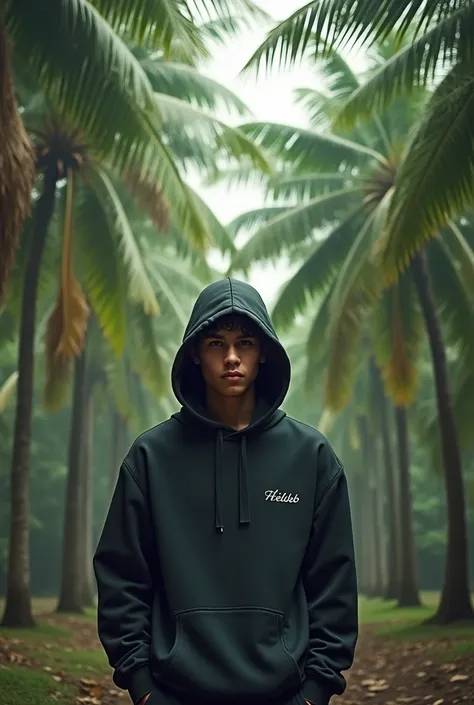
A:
(385, 672)
(391, 672)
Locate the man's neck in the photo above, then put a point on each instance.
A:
(235, 412)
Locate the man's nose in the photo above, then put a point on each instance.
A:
(231, 357)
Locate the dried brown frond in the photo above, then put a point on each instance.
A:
(67, 323)
(400, 375)
(150, 197)
(17, 167)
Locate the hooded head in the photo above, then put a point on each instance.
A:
(223, 298)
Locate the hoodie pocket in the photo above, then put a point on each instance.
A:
(231, 652)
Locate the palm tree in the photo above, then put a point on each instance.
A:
(139, 157)
(344, 182)
(17, 169)
(436, 180)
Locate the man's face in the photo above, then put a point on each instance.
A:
(229, 361)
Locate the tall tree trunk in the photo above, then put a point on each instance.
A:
(88, 583)
(393, 543)
(17, 171)
(455, 601)
(18, 612)
(408, 595)
(70, 597)
(372, 551)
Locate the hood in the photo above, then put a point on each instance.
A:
(219, 299)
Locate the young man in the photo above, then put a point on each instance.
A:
(225, 569)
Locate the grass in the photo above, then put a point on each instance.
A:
(405, 624)
(32, 688)
(60, 648)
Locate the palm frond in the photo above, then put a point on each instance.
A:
(100, 266)
(143, 350)
(139, 285)
(324, 25)
(308, 185)
(308, 149)
(156, 23)
(99, 86)
(256, 218)
(17, 171)
(229, 141)
(188, 84)
(425, 198)
(397, 333)
(458, 249)
(283, 233)
(454, 300)
(356, 291)
(67, 323)
(219, 236)
(8, 391)
(319, 107)
(317, 270)
(412, 67)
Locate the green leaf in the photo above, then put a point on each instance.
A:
(324, 25)
(307, 149)
(188, 84)
(8, 392)
(412, 67)
(436, 179)
(155, 22)
(295, 226)
(139, 285)
(317, 271)
(94, 83)
(454, 300)
(256, 217)
(230, 141)
(100, 266)
(308, 185)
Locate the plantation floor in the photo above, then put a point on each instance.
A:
(398, 662)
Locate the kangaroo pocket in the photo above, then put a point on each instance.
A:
(230, 652)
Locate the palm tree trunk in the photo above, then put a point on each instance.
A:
(393, 543)
(17, 172)
(455, 601)
(88, 583)
(408, 595)
(18, 612)
(70, 597)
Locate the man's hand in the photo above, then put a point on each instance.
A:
(143, 700)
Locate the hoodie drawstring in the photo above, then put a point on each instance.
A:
(244, 504)
(219, 480)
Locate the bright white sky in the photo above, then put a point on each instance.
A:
(270, 98)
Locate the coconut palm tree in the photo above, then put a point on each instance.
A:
(17, 170)
(436, 181)
(65, 155)
(344, 182)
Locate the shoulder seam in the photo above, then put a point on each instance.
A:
(133, 476)
(340, 470)
(302, 423)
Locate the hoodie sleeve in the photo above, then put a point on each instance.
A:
(124, 582)
(330, 582)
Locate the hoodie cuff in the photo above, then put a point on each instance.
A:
(141, 683)
(315, 693)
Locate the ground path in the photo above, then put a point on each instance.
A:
(387, 670)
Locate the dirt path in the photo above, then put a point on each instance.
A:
(386, 671)
(391, 672)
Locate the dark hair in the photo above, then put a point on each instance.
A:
(231, 321)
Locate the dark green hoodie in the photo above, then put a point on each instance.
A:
(225, 569)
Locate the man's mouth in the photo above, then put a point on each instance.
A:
(232, 375)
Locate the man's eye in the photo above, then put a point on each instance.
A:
(214, 343)
(246, 342)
